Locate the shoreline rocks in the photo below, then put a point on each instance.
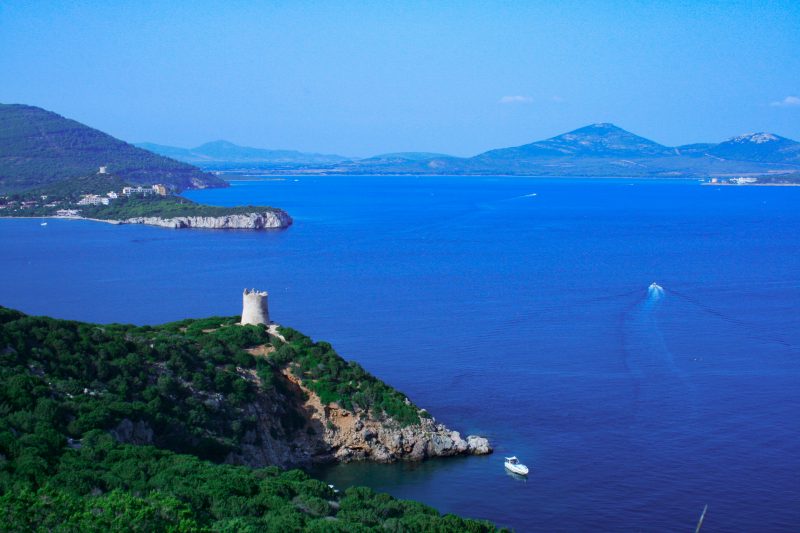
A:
(385, 444)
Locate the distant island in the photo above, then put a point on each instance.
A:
(188, 425)
(597, 150)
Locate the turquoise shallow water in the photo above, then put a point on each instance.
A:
(516, 308)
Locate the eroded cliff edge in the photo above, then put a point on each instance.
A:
(329, 431)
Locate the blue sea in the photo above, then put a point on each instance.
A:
(515, 308)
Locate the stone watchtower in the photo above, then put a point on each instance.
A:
(254, 307)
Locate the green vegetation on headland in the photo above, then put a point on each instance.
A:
(164, 207)
(108, 427)
(38, 148)
(67, 195)
(347, 384)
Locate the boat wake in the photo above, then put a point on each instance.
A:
(645, 350)
(659, 385)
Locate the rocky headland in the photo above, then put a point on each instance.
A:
(107, 425)
(275, 219)
(337, 434)
(252, 395)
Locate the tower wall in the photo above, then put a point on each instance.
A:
(254, 307)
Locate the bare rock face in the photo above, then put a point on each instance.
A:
(385, 441)
(333, 434)
(267, 220)
(479, 445)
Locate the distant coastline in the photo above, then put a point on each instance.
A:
(251, 221)
(752, 184)
(89, 198)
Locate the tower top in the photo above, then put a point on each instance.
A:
(254, 307)
(256, 292)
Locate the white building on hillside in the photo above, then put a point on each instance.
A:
(127, 191)
(93, 199)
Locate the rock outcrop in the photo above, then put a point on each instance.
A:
(330, 433)
(131, 432)
(264, 220)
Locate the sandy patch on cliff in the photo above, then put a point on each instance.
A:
(260, 350)
(344, 420)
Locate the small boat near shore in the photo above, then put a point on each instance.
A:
(513, 465)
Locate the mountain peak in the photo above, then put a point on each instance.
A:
(602, 139)
(756, 138)
(603, 126)
(761, 146)
(598, 128)
(221, 143)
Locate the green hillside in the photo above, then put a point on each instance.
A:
(119, 427)
(38, 148)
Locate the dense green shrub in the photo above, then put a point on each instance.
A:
(83, 377)
(335, 380)
(164, 207)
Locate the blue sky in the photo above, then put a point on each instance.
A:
(367, 77)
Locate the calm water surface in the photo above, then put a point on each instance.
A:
(515, 308)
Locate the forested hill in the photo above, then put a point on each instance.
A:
(117, 427)
(39, 147)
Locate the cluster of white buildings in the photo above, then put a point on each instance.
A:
(96, 199)
(144, 191)
(735, 181)
(158, 189)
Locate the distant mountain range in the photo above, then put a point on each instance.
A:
(39, 148)
(224, 155)
(219, 155)
(595, 150)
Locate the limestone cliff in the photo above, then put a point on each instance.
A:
(265, 220)
(323, 433)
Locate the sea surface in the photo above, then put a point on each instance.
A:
(514, 308)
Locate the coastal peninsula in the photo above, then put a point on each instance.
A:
(149, 415)
(51, 166)
(155, 205)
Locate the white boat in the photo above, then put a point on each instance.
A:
(513, 465)
(43, 224)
